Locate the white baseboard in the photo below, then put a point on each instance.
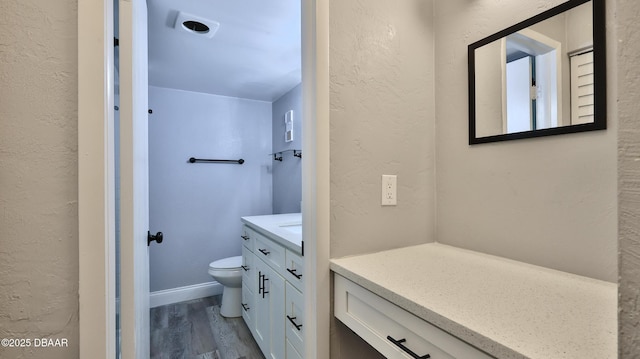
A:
(180, 294)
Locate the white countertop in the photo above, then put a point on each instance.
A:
(285, 229)
(506, 308)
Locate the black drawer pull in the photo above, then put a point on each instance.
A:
(246, 269)
(260, 288)
(293, 272)
(246, 238)
(293, 321)
(406, 350)
(245, 307)
(264, 251)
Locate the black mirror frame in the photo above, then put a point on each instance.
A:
(600, 78)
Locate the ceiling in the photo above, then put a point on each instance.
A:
(254, 54)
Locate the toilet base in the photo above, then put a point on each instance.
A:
(231, 302)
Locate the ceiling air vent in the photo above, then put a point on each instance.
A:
(196, 25)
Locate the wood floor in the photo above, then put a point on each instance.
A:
(196, 330)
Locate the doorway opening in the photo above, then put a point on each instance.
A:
(97, 190)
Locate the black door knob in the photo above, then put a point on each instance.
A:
(154, 237)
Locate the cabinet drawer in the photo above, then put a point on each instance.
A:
(379, 322)
(249, 274)
(248, 308)
(294, 311)
(248, 237)
(270, 252)
(294, 266)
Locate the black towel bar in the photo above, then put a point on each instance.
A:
(194, 160)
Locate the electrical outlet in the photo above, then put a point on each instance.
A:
(389, 188)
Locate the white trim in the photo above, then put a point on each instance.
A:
(134, 180)
(181, 294)
(96, 187)
(540, 51)
(315, 176)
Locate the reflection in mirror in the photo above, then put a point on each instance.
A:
(537, 77)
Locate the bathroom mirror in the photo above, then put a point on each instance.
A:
(543, 76)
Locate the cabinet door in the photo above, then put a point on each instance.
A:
(270, 314)
(261, 315)
(292, 353)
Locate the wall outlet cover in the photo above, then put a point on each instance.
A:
(389, 190)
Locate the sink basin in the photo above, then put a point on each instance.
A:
(293, 228)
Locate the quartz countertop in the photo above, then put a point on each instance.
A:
(285, 229)
(508, 309)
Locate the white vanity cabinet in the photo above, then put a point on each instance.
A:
(451, 302)
(272, 298)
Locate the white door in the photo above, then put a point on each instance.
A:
(519, 109)
(134, 170)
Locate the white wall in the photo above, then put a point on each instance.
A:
(38, 175)
(579, 18)
(382, 107)
(198, 206)
(546, 201)
(287, 175)
(490, 79)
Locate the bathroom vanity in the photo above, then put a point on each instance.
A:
(453, 303)
(272, 296)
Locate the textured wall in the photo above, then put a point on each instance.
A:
(287, 175)
(546, 201)
(629, 177)
(38, 175)
(198, 206)
(382, 107)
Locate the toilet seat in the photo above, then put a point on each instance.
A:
(226, 263)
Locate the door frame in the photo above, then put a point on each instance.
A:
(96, 179)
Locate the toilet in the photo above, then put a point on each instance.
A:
(228, 272)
